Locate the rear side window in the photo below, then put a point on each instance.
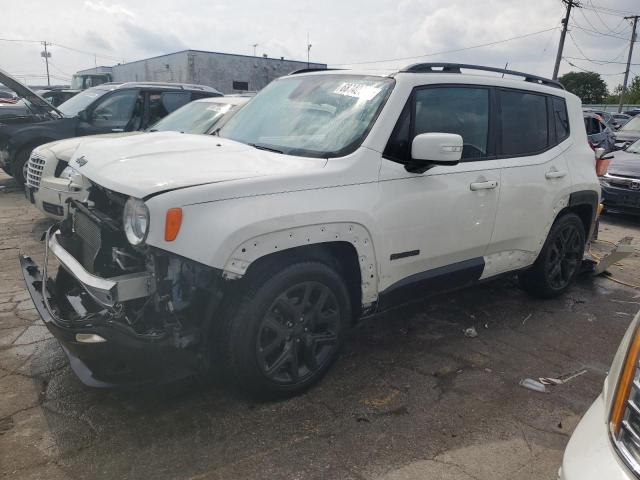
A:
(524, 128)
(561, 119)
(461, 110)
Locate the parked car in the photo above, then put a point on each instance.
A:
(51, 182)
(329, 196)
(57, 96)
(110, 107)
(621, 184)
(605, 442)
(621, 118)
(628, 133)
(598, 133)
(633, 112)
(607, 118)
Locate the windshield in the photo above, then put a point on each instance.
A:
(633, 125)
(81, 101)
(315, 116)
(195, 117)
(634, 147)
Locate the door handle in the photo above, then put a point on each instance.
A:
(490, 185)
(117, 130)
(551, 174)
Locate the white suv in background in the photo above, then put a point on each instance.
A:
(332, 195)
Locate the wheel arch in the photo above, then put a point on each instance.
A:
(348, 247)
(584, 203)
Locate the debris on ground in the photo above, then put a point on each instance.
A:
(562, 379)
(470, 332)
(526, 318)
(532, 384)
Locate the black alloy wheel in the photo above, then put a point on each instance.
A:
(559, 260)
(299, 333)
(564, 256)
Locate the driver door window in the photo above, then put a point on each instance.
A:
(460, 110)
(117, 111)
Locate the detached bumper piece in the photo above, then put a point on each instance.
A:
(103, 350)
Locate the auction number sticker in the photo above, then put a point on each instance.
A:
(357, 90)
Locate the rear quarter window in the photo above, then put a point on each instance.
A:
(524, 125)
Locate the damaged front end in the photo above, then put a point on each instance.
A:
(124, 315)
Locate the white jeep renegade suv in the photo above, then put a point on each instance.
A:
(330, 196)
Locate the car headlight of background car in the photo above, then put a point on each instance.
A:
(135, 220)
(72, 175)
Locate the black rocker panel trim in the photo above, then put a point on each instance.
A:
(430, 282)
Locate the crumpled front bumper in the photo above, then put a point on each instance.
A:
(115, 355)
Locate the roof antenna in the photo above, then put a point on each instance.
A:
(505, 67)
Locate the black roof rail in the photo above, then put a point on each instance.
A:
(309, 70)
(455, 68)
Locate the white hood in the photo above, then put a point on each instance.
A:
(142, 165)
(63, 149)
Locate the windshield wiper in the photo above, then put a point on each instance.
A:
(265, 147)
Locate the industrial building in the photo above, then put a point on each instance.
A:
(229, 73)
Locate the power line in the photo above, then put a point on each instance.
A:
(599, 62)
(448, 51)
(613, 11)
(596, 32)
(19, 40)
(589, 71)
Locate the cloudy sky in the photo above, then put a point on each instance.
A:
(341, 32)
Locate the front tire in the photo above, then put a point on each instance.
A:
(559, 260)
(286, 329)
(20, 166)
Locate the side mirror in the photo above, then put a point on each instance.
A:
(430, 149)
(83, 116)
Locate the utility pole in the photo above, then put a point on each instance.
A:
(626, 72)
(46, 55)
(308, 49)
(254, 45)
(565, 25)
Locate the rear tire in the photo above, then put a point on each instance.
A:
(285, 329)
(559, 260)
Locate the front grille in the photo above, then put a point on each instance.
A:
(35, 166)
(627, 440)
(630, 183)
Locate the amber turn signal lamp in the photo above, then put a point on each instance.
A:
(172, 224)
(625, 381)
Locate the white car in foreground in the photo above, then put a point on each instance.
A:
(51, 182)
(330, 196)
(606, 442)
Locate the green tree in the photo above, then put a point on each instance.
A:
(633, 91)
(632, 96)
(589, 86)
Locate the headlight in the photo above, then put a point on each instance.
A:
(72, 175)
(603, 182)
(136, 221)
